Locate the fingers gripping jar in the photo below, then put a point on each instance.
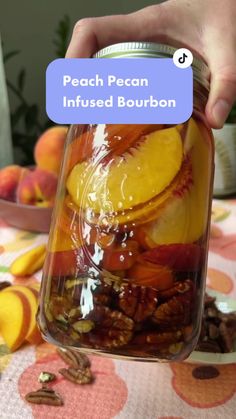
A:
(126, 260)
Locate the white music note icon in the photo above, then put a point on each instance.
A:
(183, 58)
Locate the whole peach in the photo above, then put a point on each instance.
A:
(9, 179)
(49, 148)
(38, 188)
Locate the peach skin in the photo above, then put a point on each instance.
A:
(49, 148)
(10, 176)
(38, 188)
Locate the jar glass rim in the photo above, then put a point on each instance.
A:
(201, 71)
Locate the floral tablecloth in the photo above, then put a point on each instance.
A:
(123, 389)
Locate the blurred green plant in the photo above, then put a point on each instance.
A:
(232, 115)
(62, 34)
(25, 122)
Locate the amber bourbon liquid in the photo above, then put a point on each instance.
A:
(126, 262)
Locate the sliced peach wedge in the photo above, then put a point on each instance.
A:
(33, 335)
(104, 141)
(130, 180)
(15, 318)
(149, 274)
(184, 217)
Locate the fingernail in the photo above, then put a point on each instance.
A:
(221, 111)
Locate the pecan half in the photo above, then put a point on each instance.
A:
(114, 328)
(137, 302)
(226, 338)
(102, 299)
(77, 375)
(74, 359)
(44, 396)
(172, 313)
(213, 331)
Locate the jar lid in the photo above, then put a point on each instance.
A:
(201, 71)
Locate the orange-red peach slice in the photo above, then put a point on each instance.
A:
(151, 275)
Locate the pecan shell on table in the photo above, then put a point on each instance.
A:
(44, 396)
(74, 359)
(77, 375)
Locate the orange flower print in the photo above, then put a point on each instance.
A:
(3, 223)
(170, 417)
(215, 232)
(207, 390)
(225, 246)
(219, 281)
(104, 398)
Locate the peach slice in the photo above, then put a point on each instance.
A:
(29, 262)
(105, 141)
(32, 297)
(61, 263)
(184, 217)
(35, 336)
(144, 213)
(35, 286)
(151, 275)
(15, 318)
(70, 229)
(61, 241)
(137, 176)
(179, 256)
(120, 257)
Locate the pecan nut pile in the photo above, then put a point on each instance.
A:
(218, 331)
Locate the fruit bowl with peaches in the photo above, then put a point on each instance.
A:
(27, 194)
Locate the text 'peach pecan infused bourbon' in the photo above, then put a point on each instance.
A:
(126, 261)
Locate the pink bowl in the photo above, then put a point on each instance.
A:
(26, 217)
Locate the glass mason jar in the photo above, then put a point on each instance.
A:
(126, 261)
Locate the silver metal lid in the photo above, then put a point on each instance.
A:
(201, 71)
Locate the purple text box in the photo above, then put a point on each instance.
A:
(118, 91)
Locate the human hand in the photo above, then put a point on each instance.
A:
(207, 27)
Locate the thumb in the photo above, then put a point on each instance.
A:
(222, 93)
